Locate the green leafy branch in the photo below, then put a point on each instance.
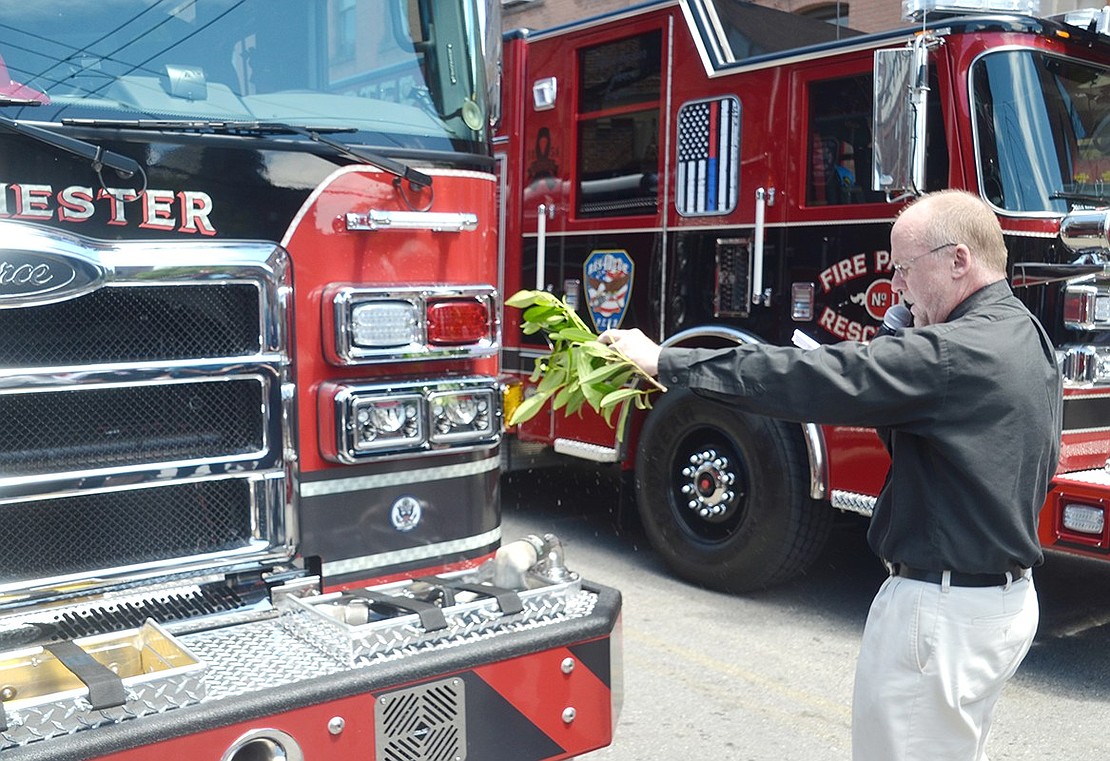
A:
(579, 370)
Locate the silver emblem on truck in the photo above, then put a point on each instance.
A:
(30, 277)
(406, 513)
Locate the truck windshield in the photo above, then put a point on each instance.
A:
(386, 73)
(1042, 126)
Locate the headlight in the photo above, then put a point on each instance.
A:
(1086, 365)
(1084, 519)
(386, 422)
(1087, 307)
(408, 417)
(463, 415)
(404, 324)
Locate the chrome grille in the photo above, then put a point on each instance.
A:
(88, 532)
(141, 323)
(120, 426)
(143, 412)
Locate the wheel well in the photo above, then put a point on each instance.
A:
(723, 337)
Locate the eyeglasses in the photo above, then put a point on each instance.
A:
(903, 269)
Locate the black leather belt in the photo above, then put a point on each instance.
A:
(958, 579)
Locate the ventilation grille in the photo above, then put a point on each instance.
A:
(89, 532)
(733, 276)
(204, 601)
(425, 723)
(71, 623)
(119, 426)
(138, 323)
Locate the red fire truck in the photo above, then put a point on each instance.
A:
(249, 379)
(714, 173)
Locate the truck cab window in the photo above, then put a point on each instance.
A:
(838, 170)
(618, 130)
(1040, 129)
(396, 72)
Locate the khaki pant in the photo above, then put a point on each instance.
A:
(932, 665)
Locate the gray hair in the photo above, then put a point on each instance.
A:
(956, 216)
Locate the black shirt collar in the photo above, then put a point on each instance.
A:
(988, 294)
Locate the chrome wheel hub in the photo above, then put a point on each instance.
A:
(707, 484)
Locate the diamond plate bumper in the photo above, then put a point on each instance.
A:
(265, 674)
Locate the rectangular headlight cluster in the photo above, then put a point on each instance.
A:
(415, 416)
(1086, 365)
(410, 323)
(1087, 307)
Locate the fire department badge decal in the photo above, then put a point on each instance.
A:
(608, 277)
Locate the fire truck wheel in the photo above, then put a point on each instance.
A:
(724, 495)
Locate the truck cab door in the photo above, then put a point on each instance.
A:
(593, 208)
(543, 133)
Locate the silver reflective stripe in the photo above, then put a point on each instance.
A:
(362, 483)
(381, 560)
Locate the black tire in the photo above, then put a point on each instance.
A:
(745, 520)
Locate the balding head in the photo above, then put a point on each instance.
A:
(944, 247)
(956, 216)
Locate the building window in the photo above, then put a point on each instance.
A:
(345, 30)
(834, 13)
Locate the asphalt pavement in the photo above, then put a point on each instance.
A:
(768, 676)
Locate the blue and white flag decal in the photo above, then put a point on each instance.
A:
(608, 287)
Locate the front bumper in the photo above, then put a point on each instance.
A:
(546, 690)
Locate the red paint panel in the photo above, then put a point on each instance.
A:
(857, 460)
(537, 687)
(325, 253)
(307, 726)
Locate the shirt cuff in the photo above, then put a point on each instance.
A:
(674, 367)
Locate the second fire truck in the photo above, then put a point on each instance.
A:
(251, 403)
(714, 172)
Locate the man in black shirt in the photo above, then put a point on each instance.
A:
(968, 403)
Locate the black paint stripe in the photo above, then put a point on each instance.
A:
(1085, 412)
(497, 731)
(596, 657)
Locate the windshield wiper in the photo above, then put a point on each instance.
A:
(1065, 195)
(315, 134)
(94, 154)
(8, 100)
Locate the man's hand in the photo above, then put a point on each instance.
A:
(636, 346)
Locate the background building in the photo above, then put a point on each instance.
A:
(863, 15)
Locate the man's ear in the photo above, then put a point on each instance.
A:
(961, 261)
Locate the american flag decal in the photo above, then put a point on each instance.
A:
(708, 156)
